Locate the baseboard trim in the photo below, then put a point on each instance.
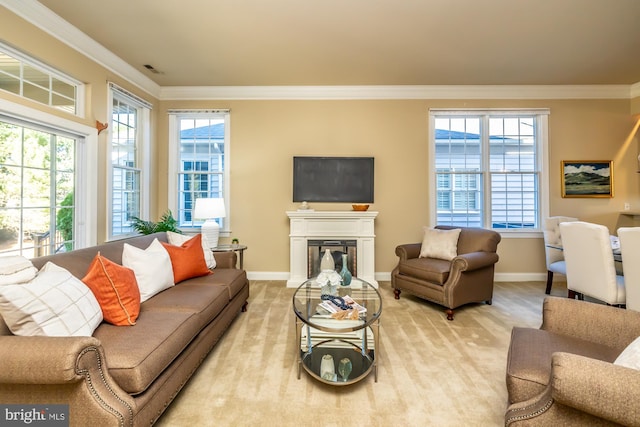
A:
(383, 276)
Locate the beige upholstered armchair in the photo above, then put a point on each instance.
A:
(591, 269)
(552, 248)
(466, 278)
(564, 374)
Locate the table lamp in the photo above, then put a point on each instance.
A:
(209, 209)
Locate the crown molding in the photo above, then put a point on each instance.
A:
(34, 12)
(394, 92)
(42, 17)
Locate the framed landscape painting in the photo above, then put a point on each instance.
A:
(587, 178)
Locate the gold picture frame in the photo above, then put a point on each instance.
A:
(587, 178)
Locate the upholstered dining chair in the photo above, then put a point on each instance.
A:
(630, 251)
(590, 266)
(552, 244)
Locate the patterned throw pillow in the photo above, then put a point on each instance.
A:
(187, 260)
(116, 289)
(178, 239)
(152, 268)
(54, 303)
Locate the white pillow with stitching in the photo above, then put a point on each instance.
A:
(54, 303)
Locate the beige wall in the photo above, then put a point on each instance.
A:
(265, 135)
(635, 106)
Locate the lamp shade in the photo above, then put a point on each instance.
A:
(207, 208)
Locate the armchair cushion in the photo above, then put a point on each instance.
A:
(434, 270)
(441, 244)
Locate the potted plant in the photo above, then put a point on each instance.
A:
(167, 223)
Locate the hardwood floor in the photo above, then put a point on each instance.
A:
(431, 371)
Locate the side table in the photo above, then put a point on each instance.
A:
(239, 249)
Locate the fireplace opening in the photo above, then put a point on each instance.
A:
(316, 249)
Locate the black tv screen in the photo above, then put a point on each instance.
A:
(333, 179)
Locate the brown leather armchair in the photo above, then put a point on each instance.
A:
(465, 279)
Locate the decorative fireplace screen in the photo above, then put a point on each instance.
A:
(316, 248)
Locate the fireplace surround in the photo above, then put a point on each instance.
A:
(352, 231)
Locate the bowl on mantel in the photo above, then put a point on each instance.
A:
(360, 208)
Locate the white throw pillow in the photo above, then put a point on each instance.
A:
(442, 244)
(630, 356)
(178, 239)
(152, 267)
(16, 269)
(54, 303)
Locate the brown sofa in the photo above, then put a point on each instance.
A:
(124, 375)
(465, 279)
(562, 374)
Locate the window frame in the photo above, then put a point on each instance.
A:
(174, 166)
(542, 165)
(85, 197)
(142, 155)
(25, 60)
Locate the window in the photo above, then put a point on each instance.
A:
(28, 78)
(37, 182)
(489, 168)
(128, 130)
(200, 140)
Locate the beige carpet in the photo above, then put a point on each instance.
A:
(431, 371)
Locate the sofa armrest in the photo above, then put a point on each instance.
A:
(65, 370)
(41, 360)
(599, 388)
(226, 259)
(598, 323)
(586, 388)
(474, 260)
(408, 251)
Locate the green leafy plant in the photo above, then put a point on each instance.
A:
(64, 221)
(167, 223)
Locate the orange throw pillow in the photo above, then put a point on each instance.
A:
(116, 290)
(187, 260)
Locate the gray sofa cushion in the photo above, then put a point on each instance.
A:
(529, 359)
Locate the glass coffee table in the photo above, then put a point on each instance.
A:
(333, 351)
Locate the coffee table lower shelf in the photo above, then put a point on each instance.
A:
(339, 346)
(362, 364)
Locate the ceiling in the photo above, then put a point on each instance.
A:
(367, 42)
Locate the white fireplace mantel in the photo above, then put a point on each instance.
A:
(326, 225)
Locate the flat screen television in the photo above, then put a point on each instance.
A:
(333, 179)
